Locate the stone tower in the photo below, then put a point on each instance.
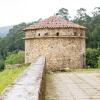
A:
(62, 43)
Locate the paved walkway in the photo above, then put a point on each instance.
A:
(77, 86)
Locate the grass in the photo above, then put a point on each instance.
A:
(9, 75)
(88, 70)
(50, 88)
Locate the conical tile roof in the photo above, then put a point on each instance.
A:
(54, 22)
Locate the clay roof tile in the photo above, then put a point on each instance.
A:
(54, 22)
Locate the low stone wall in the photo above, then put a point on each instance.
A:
(30, 85)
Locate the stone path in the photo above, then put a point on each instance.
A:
(76, 86)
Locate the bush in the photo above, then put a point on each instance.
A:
(2, 65)
(99, 62)
(15, 58)
(92, 57)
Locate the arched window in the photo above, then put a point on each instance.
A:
(57, 34)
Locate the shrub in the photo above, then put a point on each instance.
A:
(2, 65)
(99, 62)
(15, 58)
(92, 57)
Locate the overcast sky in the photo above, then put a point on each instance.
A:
(17, 11)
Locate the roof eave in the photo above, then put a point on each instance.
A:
(53, 28)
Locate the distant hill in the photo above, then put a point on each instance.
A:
(4, 30)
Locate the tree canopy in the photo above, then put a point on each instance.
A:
(64, 13)
(93, 26)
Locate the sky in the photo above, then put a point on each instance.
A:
(16, 11)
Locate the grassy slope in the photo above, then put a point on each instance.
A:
(8, 75)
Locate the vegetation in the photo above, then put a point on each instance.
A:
(14, 42)
(2, 65)
(4, 30)
(8, 75)
(15, 58)
(87, 70)
(99, 62)
(12, 46)
(92, 23)
(92, 57)
(50, 88)
(64, 13)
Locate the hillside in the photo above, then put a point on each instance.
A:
(4, 30)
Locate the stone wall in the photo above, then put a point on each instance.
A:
(53, 32)
(60, 51)
(30, 85)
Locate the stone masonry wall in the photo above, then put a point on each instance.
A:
(53, 32)
(59, 51)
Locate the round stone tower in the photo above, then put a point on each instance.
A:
(62, 43)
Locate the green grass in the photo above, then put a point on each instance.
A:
(87, 70)
(9, 75)
(50, 88)
(96, 70)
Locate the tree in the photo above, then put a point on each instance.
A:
(99, 62)
(93, 26)
(82, 17)
(95, 29)
(92, 57)
(15, 57)
(15, 37)
(96, 11)
(2, 65)
(13, 41)
(63, 12)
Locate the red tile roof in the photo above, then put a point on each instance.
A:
(54, 22)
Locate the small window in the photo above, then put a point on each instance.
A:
(39, 34)
(46, 34)
(75, 33)
(81, 34)
(57, 34)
